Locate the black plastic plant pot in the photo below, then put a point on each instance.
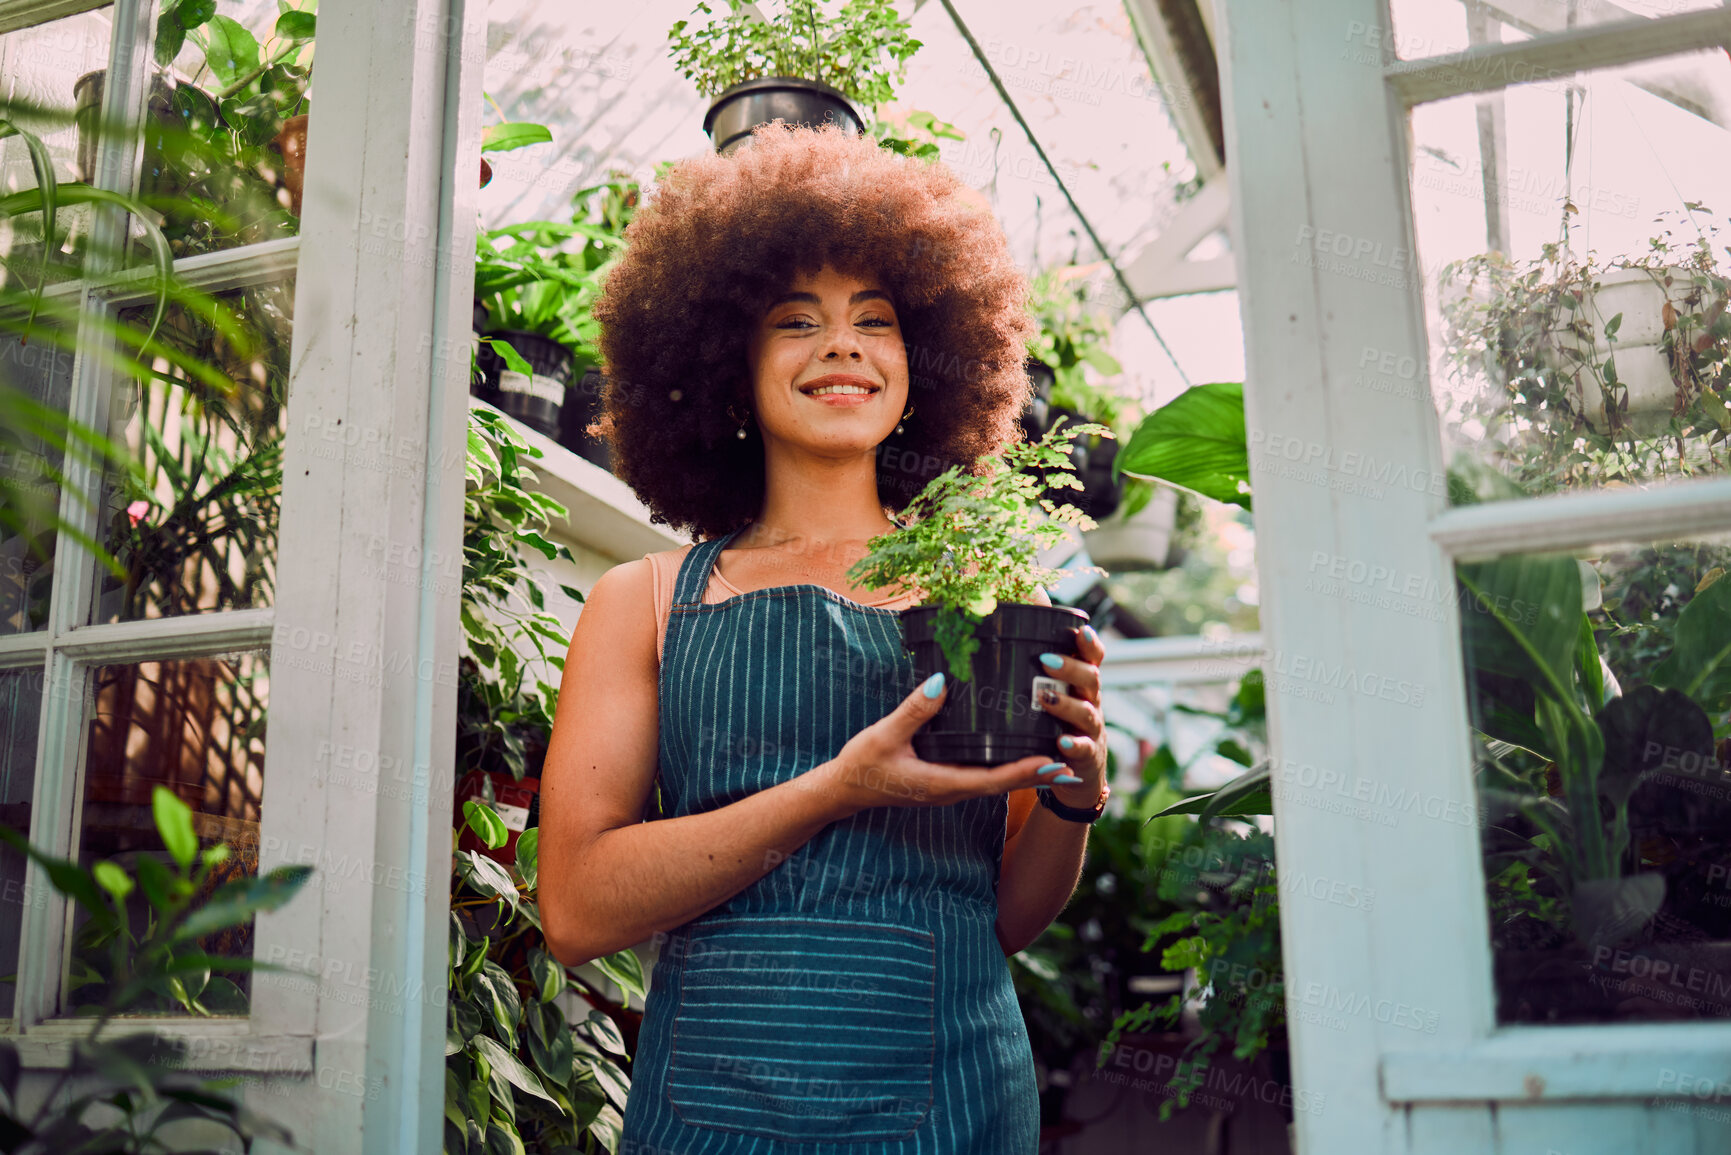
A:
(582, 406)
(1038, 412)
(793, 99)
(995, 716)
(535, 401)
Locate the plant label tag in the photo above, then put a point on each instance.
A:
(545, 388)
(1062, 689)
(514, 817)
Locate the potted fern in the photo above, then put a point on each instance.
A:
(804, 67)
(973, 550)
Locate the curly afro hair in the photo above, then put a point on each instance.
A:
(721, 236)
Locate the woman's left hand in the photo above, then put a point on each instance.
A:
(1085, 754)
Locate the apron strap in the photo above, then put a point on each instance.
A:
(694, 571)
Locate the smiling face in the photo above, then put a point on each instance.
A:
(828, 365)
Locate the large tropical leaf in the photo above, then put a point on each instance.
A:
(1197, 442)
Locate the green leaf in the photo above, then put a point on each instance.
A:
(508, 1065)
(1197, 442)
(489, 877)
(170, 38)
(513, 360)
(192, 13)
(604, 1031)
(296, 25)
(113, 879)
(486, 823)
(1521, 616)
(1700, 662)
(230, 50)
(551, 1044)
(528, 850)
(174, 824)
(626, 969)
(547, 975)
(512, 135)
(235, 902)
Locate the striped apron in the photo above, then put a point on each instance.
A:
(854, 1000)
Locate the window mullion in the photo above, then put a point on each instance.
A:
(1558, 54)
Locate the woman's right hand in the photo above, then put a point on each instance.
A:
(878, 766)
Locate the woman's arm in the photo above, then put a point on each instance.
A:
(1043, 859)
(608, 880)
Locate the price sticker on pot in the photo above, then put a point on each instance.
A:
(546, 388)
(514, 817)
(1042, 684)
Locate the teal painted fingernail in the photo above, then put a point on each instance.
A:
(1092, 636)
(1053, 661)
(1049, 767)
(1067, 779)
(934, 685)
(1067, 742)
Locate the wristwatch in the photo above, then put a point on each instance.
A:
(1075, 813)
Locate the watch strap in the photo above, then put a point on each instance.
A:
(1074, 813)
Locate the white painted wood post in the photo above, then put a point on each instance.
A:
(1364, 706)
(365, 642)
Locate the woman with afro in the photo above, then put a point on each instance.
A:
(799, 336)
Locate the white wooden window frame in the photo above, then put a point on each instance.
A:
(380, 343)
(67, 649)
(1317, 144)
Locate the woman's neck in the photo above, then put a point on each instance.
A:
(817, 502)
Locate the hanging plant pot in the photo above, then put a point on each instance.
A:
(1645, 391)
(536, 400)
(582, 406)
(515, 803)
(87, 115)
(292, 143)
(1037, 414)
(1142, 541)
(995, 716)
(743, 107)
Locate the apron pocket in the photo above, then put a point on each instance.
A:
(804, 1029)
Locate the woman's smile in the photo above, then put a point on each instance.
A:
(841, 390)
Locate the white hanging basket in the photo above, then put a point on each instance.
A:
(1647, 391)
(1140, 542)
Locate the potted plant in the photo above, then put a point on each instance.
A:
(972, 552)
(1072, 339)
(805, 67)
(1581, 372)
(537, 1054)
(529, 283)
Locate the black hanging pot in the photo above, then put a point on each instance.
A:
(996, 715)
(582, 406)
(744, 106)
(535, 401)
(1037, 413)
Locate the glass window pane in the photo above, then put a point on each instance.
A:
(195, 526)
(196, 726)
(1600, 690)
(20, 709)
(50, 86)
(1436, 27)
(225, 148)
(34, 371)
(1571, 236)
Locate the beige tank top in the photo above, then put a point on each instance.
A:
(665, 564)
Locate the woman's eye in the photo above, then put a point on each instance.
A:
(801, 322)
